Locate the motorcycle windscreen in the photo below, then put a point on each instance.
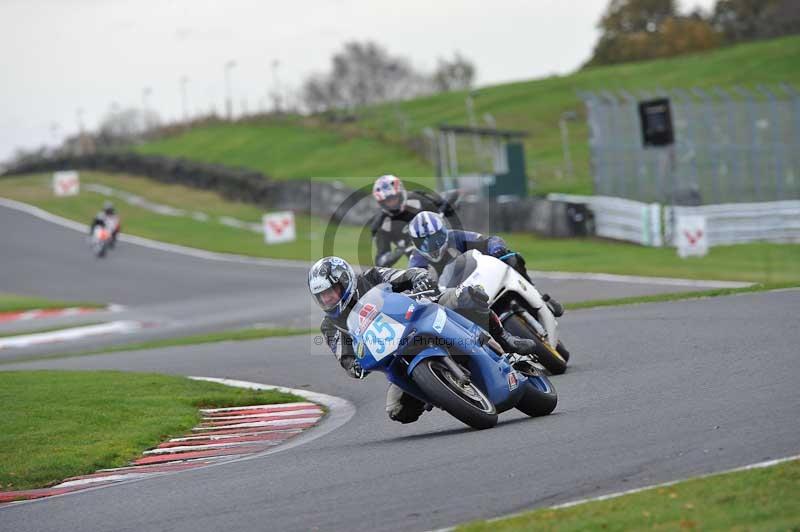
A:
(458, 271)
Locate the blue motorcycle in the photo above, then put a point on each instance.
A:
(445, 360)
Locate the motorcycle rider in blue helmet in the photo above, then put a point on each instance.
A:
(436, 246)
(336, 288)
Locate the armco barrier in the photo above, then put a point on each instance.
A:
(730, 223)
(734, 223)
(621, 219)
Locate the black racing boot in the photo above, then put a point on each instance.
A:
(509, 342)
(516, 344)
(555, 307)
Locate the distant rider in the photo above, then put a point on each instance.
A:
(436, 246)
(336, 288)
(108, 219)
(398, 207)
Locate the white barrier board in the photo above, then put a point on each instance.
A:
(279, 227)
(66, 183)
(691, 236)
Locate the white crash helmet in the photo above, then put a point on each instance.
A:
(390, 194)
(332, 282)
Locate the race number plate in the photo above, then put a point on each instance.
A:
(383, 336)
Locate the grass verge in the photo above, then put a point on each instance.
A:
(58, 424)
(756, 499)
(17, 303)
(678, 296)
(755, 262)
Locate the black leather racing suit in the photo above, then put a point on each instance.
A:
(388, 229)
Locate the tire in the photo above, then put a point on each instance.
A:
(537, 401)
(548, 357)
(562, 351)
(467, 404)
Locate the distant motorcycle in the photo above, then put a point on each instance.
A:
(112, 224)
(100, 241)
(521, 308)
(445, 360)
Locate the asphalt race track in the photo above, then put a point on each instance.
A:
(655, 392)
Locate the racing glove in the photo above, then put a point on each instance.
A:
(353, 368)
(423, 283)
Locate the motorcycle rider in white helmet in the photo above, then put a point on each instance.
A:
(398, 207)
(336, 288)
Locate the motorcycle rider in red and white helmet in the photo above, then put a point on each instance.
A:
(336, 288)
(398, 208)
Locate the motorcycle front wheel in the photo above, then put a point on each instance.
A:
(540, 397)
(465, 402)
(548, 357)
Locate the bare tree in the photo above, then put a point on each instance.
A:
(363, 74)
(125, 125)
(457, 74)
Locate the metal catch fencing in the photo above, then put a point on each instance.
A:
(731, 145)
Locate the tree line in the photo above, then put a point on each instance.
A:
(635, 30)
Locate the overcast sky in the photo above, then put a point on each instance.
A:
(58, 56)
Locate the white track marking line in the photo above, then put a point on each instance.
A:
(758, 465)
(73, 333)
(254, 407)
(614, 495)
(209, 446)
(109, 478)
(634, 279)
(221, 437)
(299, 421)
(266, 414)
(153, 244)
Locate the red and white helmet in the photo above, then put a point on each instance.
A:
(390, 194)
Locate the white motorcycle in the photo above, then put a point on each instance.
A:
(521, 308)
(100, 241)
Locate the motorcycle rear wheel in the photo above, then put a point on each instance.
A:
(467, 402)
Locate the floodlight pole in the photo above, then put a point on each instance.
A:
(562, 122)
(228, 96)
(184, 83)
